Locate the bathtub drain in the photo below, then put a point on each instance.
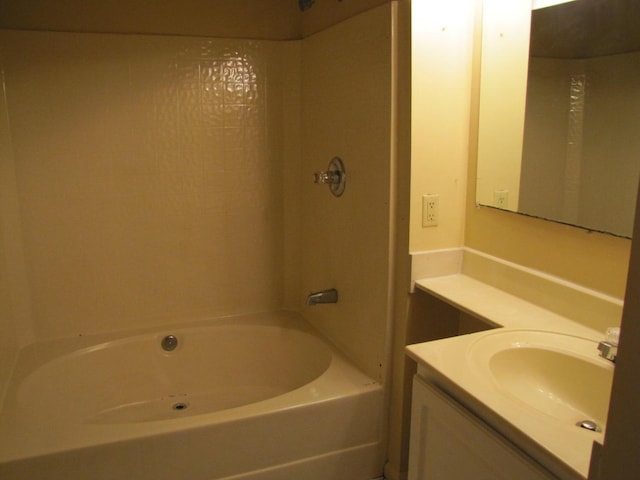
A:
(169, 343)
(179, 406)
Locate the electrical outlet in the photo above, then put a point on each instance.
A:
(430, 210)
(501, 198)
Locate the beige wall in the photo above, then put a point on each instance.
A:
(503, 72)
(593, 260)
(596, 261)
(442, 42)
(438, 129)
(346, 112)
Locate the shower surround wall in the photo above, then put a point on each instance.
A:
(161, 179)
(346, 111)
(147, 178)
(14, 298)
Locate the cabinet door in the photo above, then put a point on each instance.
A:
(449, 443)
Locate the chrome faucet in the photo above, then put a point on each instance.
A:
(325, 296)
(608, 348)
(608, 351)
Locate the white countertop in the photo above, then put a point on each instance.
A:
(564, 449)
(498, 307)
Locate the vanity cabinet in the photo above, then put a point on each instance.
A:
(449, 443)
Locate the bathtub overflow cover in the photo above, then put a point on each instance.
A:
(169, 343)
(180, 406)
(589, 425)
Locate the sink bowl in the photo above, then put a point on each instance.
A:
(558, 375)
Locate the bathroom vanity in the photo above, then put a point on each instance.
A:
(524, 399)
(449, 442)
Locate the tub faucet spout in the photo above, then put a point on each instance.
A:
(325, 296)
(608, 348)
(608, 351)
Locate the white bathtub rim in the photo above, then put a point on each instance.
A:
(222, 367)
(340, 379)
(40, 352)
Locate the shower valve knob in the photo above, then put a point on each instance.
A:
(334, 176)
(329, 178)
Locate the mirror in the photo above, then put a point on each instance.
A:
(560, 112)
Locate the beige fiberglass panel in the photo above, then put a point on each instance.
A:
(15, 318)
(146, 180)
(346, 91)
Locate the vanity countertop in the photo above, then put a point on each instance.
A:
(449, 363)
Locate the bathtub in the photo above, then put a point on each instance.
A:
(257, 397)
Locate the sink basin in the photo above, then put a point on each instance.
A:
(558, 375)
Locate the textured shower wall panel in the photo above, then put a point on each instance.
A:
(346, 92)
(542, 182)
(609, 181)
(146, 177)
(581, 145)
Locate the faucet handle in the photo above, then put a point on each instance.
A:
(612, 335)
(334, 176)
(330, 177)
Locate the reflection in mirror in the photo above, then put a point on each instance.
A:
(573, 155)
